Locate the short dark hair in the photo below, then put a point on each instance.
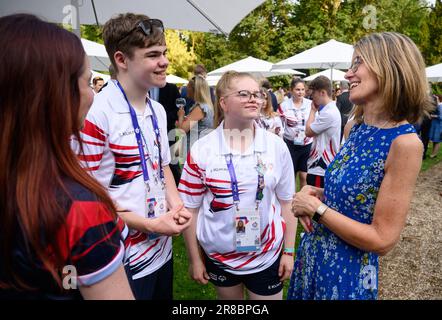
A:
(266, 84)
(321, 83)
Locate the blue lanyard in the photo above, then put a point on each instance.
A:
(234, 182)
(139, 137)
(156, 129)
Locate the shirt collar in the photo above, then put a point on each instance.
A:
(258, 144)
(117, 101)
(292, 104)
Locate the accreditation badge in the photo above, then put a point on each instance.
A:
(156, 206)
(247, 230)
(299, 138)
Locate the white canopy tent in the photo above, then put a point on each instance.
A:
(257, 67)
(331, 54)
(213, 80)
(434, 73)
(175, 79)
(97, 55)
(338, 75)
(196, 15)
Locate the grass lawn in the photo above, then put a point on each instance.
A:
(428, 162)
(187, 289)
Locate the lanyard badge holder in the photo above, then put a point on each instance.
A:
(247, 220)
(155, 198)
(300, 131)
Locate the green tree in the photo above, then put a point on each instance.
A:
(181, 57)
(92, 33)
(433, 50)
(259, 33)
(212, 50)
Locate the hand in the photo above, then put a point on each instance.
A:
(198, 272)
(315, 107)
(285, 267)
(167, 224)
(181, 113)
(183, 216)
(313, 191)
(306, 223)
(305, 204)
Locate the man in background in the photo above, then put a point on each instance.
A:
(344, 105)
(324, 124)
(97, 84)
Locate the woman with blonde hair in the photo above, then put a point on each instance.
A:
(239, 172)
(362, 210)
(199, 121)
(269, 119)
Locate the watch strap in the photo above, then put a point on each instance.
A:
(319, 212)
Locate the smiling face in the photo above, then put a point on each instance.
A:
(364, 85)
(238, 108)
(147, 67)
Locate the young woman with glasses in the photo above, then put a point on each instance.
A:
(239, 172)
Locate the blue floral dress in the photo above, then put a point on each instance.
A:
(326, 267)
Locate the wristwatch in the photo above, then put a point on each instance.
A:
(320, 212)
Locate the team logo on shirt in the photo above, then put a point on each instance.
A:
(126, 133)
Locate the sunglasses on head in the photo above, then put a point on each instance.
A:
(146, 26)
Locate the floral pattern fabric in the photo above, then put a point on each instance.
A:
(327, 267)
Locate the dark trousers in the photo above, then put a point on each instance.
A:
(315, 181)
(155, 286)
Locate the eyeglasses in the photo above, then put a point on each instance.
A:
(146, 26)
(355, 64)
(246, 95)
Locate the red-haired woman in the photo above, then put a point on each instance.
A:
(58, 228)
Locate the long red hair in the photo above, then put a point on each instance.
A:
(40, 102)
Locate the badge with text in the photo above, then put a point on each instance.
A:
(155, 206)
(299, 137)
(247, 230)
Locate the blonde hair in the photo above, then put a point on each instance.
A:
(224, 86)
(267, 110)
(201, 91)
(400, 71)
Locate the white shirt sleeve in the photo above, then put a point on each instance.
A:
(323, 120)
(94, 136)
(285, 187)
(191, 187)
